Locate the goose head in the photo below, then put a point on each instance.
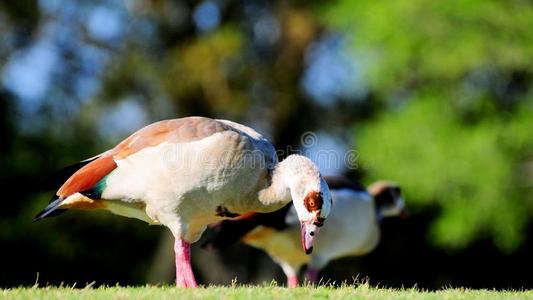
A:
(310, 196)
(388, 199)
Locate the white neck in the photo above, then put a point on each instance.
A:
(287, 175)
(278, 192)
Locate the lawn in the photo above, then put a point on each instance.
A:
(255, 292)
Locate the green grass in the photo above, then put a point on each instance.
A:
(362, 291)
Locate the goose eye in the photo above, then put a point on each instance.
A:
(398, 190)
(313, 201)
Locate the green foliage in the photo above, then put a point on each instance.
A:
(403, 42)
(454, 79)
(208, 64)
(469, 171)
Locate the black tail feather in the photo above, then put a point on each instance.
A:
(53, 182)
(51, 210)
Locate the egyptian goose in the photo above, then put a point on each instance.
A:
(352, 229)
(190, 172)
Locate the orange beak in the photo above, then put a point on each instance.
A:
(309, 232)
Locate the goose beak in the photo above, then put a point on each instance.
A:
(404, 213)
(309, 231)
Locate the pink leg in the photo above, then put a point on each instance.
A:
(184, 275)
(292, 281)
(311, 275)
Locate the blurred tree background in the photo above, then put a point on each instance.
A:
(434, 95)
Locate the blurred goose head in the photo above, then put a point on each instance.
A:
(388, 199)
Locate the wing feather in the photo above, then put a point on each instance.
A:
(88, 176)
(174, 131)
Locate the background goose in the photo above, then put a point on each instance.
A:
(190, 172)
(352, 229)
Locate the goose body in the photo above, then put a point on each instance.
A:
(352, 229)
(187, 173)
